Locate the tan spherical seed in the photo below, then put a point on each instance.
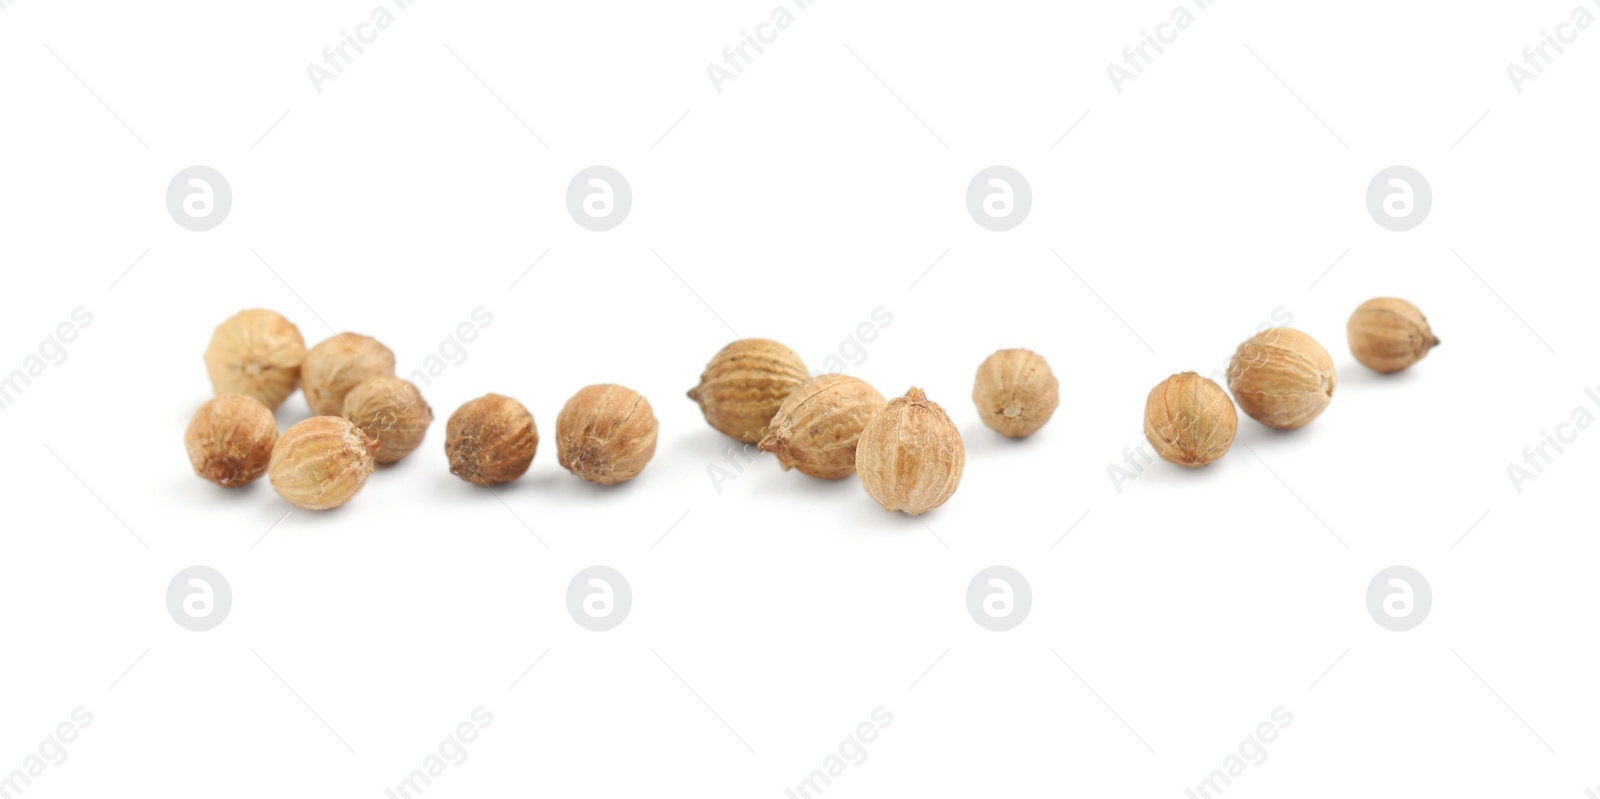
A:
(744, 385)
(1015, 392)
(1189, 420)
(392, 411)
(1387, 335)
(490, 440)
(817, 426)
(256, 353)
(230, 439)
(1282, 378)
(606, 434)
(339, 364)
(910, 456)
(320, 463)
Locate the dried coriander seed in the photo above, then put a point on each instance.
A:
(606, 434)
(256, 353)
(320, 463)
(1387, 335)
(910, 456)
(230, 440)
(818, 424)
(1282, 378)
(490, 440)
(393, 412)
(339, 364)
(1189, 420)
(1015, 392)
(745, 383)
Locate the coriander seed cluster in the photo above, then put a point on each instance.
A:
(1280, 377)
(366, 416)
(906, 452)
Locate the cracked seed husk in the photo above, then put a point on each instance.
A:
(606, 434)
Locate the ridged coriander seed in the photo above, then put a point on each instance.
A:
(392, 411)
(1387, 335)
(744, 385)
(230, 440)
(817, 427)
(910, 456)
(1015, 392)
(1189, 420)
(1282, 378)
(339, 364)
(606, 434)
(320, 463)
(256, 353)
(490, 440)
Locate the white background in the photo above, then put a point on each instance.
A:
(1171, 620)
